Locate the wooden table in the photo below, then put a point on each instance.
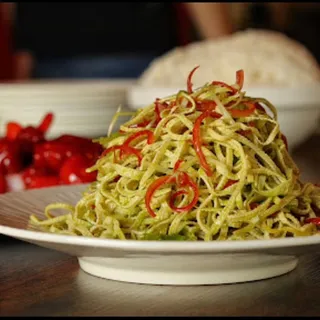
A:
(35, 281)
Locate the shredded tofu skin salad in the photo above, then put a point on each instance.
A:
(205, 164)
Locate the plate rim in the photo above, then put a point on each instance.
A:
(148, 245)
(157, 246)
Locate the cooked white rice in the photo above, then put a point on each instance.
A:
(268, 58)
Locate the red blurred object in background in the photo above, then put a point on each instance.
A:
(6, 51)
(183, 24)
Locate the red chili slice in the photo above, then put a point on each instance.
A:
(247, 132)
(223, 84)
(183, 181)
(142, 124)
(260, 107)
(197, 139)
(177, 165)
(254, 205)
(134, 136)
(206, 105)
(240, 78)
(158, 107)
(238, 113)
(230, 183)
(315, 221)
(154, 186)
(189, 80)
(125, 150)
(284, 139)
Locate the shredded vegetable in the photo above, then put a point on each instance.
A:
(205, 164)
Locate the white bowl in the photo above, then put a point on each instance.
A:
(298, 108)
(153, 262)
(80, 107)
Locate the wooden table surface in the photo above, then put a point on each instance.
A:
(35, 281)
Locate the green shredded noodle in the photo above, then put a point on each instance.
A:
(267, 200)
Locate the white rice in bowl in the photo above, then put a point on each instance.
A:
(268, 58)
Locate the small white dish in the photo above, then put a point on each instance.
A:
(81, 107)
(153, 262)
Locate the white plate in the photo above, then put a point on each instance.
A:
(153, 262)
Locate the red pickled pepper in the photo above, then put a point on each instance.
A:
(196, 135)
(46, 122)
(13, 129)
(43, 168)
(142, 124)
(73, 170)
(206, 105)
(240, 78)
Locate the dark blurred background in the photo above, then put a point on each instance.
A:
(299, 20)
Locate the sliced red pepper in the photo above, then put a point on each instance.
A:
(189, 80)
(13, 129)
(247, 132)
(183, 181)
(174, 197)
(206, 105)
(125, 150)
(177, 165)
(284, 139)
(46, 122)
(158, 107)
(315, 221)
(223, 84)
(134, 136)
(230, 183)
(154, 186)
(240, 78)
(254, 205)
(197, 139)
(238, 113)
(260, 107)
(142, 124)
